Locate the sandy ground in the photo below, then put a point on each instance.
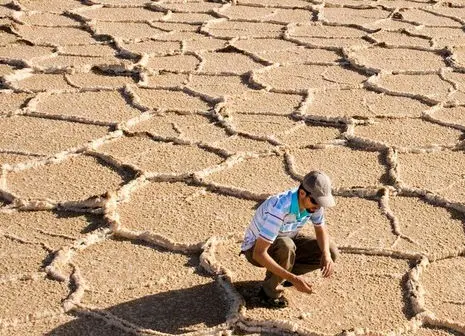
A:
(138, 136)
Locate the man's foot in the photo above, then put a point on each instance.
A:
(287, 284)
(275, 303)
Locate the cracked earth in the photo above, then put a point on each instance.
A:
(138, 136)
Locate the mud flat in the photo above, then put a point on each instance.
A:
(139, 136)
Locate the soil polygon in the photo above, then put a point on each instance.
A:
(56, 36)
(307, 135)
(204, 44)
(262, 102)
(428, 85)
(231, 29)
(359, 222)
(45, 136)
(393, 25)
(264, 45)
(22, 299)
(43, 82)
(167, 79)
(354, 16)
(236, 144)
(11, 102)
(309, 76)
(302, 55)
(191, 7)
(262, 125)
(153, 289)
(428, 19)
(401, 60)
(218, 86)
(434, 230)
(433, 172)
(185, 214)
(175, 27)
(392, 132)
(222, 62)
(346, 167)
(454, 115)
(326, 31)
(84, 63)
(191, 18)
(23, 52)
(340, 103)
(18, 258)
(444, 36)
(442, 281)
(66, 325)
(122, 14)
(160, 157)
(76, 178)
(52, 229)
(99, 105)
(6, 38)
(176, 63)
(400, 39)
(95, 50)
(128, 31)
(152, 47)
(394, 106)
(171, 100)
(333, 43)
(48, 19)
(292, 15)
(47, 6)
(249, 173)
(278, 3)
(247, 13)
(190, 127)
(99, 80)
(8, 158)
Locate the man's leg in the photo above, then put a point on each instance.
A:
(283, 251)
(308, 254)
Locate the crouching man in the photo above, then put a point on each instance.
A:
(273, 241)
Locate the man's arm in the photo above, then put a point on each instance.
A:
(322, 237)
(260, 255)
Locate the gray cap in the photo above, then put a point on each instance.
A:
(319, 186)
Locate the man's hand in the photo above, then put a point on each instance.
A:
(301, 284)
(327, 265)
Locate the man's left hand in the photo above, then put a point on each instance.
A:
(327, 265)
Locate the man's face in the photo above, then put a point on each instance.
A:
(308, 201)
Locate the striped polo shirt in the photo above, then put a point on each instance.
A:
(279, 216)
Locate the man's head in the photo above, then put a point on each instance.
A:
(315, 191)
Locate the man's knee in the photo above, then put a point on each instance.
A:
(283, 248)
(284, 244)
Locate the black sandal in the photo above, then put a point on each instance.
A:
(274, 303)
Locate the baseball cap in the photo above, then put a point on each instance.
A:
(318, 184)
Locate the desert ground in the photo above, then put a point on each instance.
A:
(138, 137)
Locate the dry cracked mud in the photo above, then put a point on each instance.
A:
(139, 136)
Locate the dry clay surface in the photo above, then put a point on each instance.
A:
(138, 137)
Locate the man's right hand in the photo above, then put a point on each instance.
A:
(301, 284)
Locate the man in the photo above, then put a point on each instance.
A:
(273, 241)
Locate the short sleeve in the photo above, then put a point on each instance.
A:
(318, 217)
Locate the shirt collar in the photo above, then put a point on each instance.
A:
(295, 206)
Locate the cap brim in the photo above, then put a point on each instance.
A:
(326, 201)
